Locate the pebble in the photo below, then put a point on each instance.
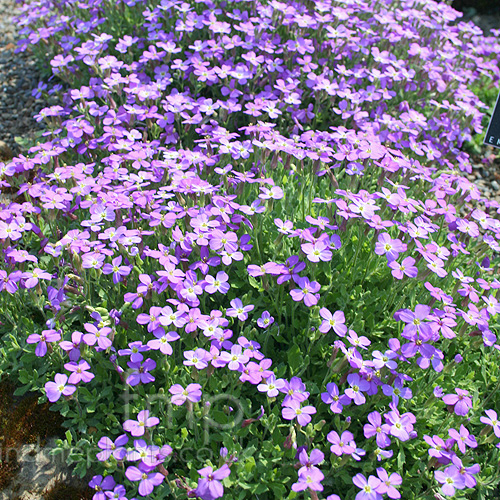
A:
(495, 186)
(18, 75)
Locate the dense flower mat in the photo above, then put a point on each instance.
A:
(245, 259)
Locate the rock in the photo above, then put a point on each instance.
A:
(38, 472)
(495, 185)
(5, 151)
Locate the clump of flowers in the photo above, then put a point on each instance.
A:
(246, 246)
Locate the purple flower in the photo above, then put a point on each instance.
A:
(387, 483)
(118, 493)
(306, 291)
(376, 428)
(308, 462)
(116, 269)
(79, 371)
(295, 390)
(439, 449)
(463, 438)
(451, 479)
(415, 321)
(335, 321)
(466, 472)
(406, 267)
(9, 281)
(100, 484)
(271, 386)
(293, 409)
(356, 389)
(461, 401)
(397, 390)
(115, 448)
(59, 387)
(290, 269)
(138, 427)
(42, 339)
(135, 349)
(179, 395)
(331, 397)
(34, 276)
(438, 392)
(209, 485)
(357, 341)
(74, 346)
(218, 284)
(266, 320)
(492, 419)
(238, 310)
(341, 444)
(147, 479)
(140, 372)
(389, 247)
(368, 487)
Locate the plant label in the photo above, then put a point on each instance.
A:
(492, 137)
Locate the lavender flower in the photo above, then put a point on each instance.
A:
(58, 388)
(209, 485)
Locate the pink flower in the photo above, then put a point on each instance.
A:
(198, 358)
(463, 438)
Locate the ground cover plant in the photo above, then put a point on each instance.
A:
(245, 261)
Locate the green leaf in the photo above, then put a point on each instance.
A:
(401, 459)
(295, 357)
(21, 391)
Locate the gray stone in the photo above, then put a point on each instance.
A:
(39, 471)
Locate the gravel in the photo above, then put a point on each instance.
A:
(18, 76)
